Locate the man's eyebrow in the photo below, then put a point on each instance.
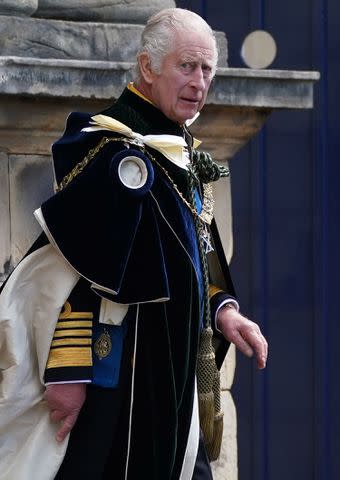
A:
(189, 58)
(192, 57)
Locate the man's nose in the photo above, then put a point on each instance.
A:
(197, 79)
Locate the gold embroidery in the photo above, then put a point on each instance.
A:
(72, 333)
(81, 165)
(70, 357)
(103, 345)
(213, 290)
(75, 324)
(67, 313)
(68, 341)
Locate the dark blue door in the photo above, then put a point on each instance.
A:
(286, 260)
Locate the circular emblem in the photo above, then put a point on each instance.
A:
(132, 172)
(103, 345)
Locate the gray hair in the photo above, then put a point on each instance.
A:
(158, 34)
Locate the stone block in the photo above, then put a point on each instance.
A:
(18, 7)
(5, 233)
(42, 38)
(30, 125)
(223, 214)
(132, 11)
(228, 369)
(60, 78)
(225, 468)
(263, 88)
(63, 78)
(223, 129)
(31, 183)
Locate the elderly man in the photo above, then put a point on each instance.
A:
(116, 301)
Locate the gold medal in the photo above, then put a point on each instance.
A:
(103, 345)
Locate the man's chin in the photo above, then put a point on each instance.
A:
(186, 114)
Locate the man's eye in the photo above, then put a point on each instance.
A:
(187, 66)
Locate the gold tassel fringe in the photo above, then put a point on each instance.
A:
(209, 396)
(205, 378)
(214, 447)
(207, 414)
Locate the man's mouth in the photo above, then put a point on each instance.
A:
(190, 100)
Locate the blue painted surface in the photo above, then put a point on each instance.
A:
(286, 264)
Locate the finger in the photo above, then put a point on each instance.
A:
(265, 357)
(260, 347)
(253, 337)
(242, 344)
(57, 415)
(66, 427)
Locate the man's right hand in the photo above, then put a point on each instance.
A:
(65, 401)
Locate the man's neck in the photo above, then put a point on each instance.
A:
(143, 89)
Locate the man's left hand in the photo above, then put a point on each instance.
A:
(244, 333)
(65, 401)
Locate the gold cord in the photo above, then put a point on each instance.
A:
(81, 165)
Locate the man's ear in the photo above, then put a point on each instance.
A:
(145, 68)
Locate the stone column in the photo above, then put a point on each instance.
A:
(18, 7)
(130, 11)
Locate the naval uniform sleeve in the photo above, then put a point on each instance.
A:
(218, 299)
(70, 356)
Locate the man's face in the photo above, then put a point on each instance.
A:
(180, 90)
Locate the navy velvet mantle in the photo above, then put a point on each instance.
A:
(143, 247)
(107, 233)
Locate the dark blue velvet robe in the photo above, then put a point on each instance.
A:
(139, 248)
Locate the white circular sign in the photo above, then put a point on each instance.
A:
(258, 49)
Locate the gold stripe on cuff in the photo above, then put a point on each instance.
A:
(70, 341)
(70, 357)
(67, 313)
(72, 333)
(74, 324)
(213, 290)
